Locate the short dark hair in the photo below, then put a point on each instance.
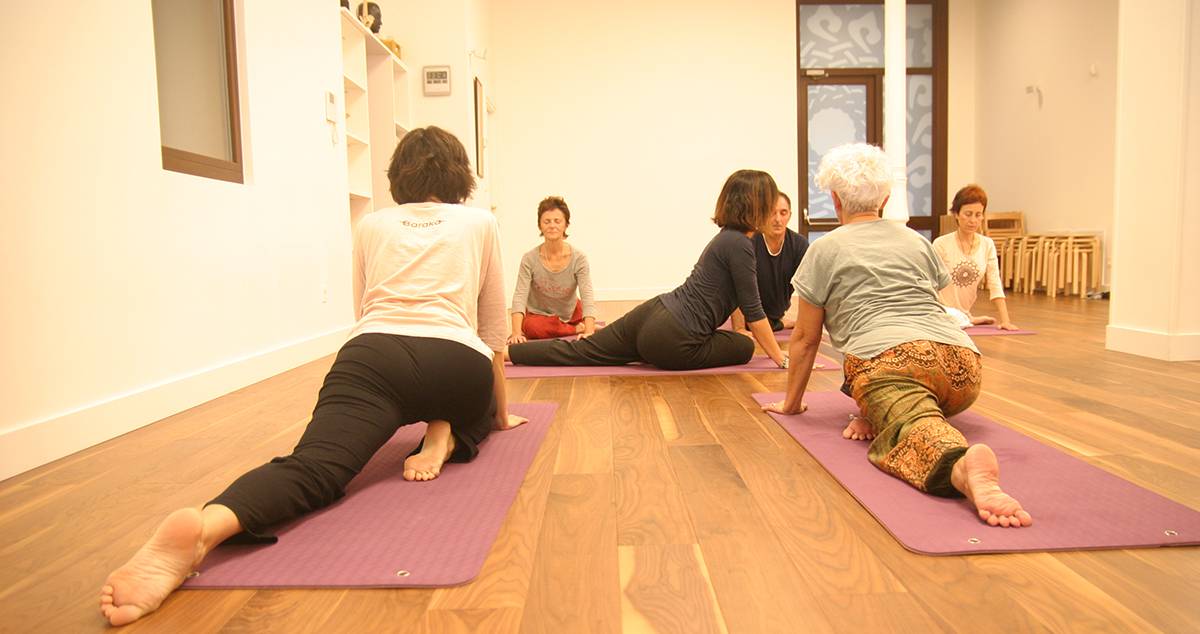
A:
(787, 198)
(970, 194)
(430, 163)
(746, 200)
(550, 203)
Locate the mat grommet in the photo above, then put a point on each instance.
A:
(193, 574)
(402, 573)
(973, 540)
(1170, 533)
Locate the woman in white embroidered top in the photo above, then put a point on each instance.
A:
(429, 297)
(544, 304)
(970, 257)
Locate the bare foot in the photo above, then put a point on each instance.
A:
(139, 587)
(427, 463)
(858, 429)
(977, 476)
(510, 421)
(982, 321)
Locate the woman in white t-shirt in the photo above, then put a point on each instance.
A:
(429, 298)
(970, 257)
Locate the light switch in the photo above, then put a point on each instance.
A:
(330, 107)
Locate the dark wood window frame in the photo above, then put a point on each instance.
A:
(207, 166)
(939, 72)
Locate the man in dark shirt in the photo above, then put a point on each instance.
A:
(777, 251)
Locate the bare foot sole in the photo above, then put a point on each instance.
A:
(858, 429)
(140, 586)
(982, 321)
(427, 463)
(977, 476)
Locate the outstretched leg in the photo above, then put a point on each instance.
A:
(977, 476)
(160, 566)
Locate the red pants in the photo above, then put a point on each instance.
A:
(550, 326)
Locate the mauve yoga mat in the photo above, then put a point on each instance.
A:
(1075, 506)
(439, 532)
(989, 331)
(757, 364)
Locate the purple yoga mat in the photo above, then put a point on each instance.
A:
(757, 364)
(439, 531)
(989, 331)
(1075, 506)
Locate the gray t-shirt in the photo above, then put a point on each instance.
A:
(878, 283)
(544, 292)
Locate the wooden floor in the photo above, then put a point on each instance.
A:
(665, 504)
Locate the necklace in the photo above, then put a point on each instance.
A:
(776, 252)
(549, 260)
(970, 247)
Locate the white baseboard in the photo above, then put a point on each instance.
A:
(38, 442)
(1153, 344)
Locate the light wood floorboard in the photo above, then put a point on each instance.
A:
(656, 504)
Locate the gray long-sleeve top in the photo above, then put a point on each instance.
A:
(544, 292)
(724, 278)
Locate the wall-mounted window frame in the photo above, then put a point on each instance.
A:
(221, 168)
(480, 114)
(940, 75)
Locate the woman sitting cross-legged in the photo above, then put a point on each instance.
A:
(678, 330)
(429, 296)
(970, 258)
(873, 284)
(544, 305)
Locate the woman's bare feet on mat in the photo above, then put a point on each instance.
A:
(858, 429)
(977, 476)
(427, 463)
(139, 587)
(510, 421)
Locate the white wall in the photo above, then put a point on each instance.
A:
(636, 112)
(1055, 162)
(960, 142)
(444, 33)
(1187, 310)
(1156, 271)
(131, 292)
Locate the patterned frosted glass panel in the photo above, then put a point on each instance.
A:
(918, 22)
(920, 145)
(841, 36)
(851, 35)
(836, 115)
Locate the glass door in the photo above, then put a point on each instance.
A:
(836, 107)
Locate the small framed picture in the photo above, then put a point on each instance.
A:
(437, 80)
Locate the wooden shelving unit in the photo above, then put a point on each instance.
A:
(377, 98)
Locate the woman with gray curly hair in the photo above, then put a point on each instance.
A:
(873, 284)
